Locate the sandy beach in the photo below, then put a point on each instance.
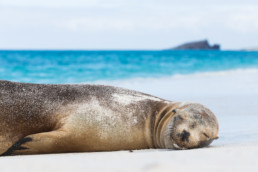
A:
(231, 95)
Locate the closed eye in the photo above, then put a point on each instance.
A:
(206, 135)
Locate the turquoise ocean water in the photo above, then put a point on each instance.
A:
(88, 66)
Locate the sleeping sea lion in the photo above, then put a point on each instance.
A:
(41, 118)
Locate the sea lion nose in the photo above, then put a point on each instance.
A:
(184, 136)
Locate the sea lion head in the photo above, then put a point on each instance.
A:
(192, 126)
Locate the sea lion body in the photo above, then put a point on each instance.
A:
(38, 118)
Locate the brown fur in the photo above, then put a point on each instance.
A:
(38, 118)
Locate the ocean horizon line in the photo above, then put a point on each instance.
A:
(107, 50)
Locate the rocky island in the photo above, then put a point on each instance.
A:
(197, 45)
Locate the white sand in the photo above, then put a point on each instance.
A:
(232, 96)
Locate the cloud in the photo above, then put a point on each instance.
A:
(150, 23)
(194, 19)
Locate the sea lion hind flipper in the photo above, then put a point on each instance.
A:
(40, 143)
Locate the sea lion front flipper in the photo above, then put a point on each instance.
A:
(5, 146)
(41, 143)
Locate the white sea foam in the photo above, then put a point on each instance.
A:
(232, 82)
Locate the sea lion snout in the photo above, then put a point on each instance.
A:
(192, 126)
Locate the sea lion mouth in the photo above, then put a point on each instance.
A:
(173, 137)
(178, 147)
(171, 141)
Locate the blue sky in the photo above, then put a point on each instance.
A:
(126, 24)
